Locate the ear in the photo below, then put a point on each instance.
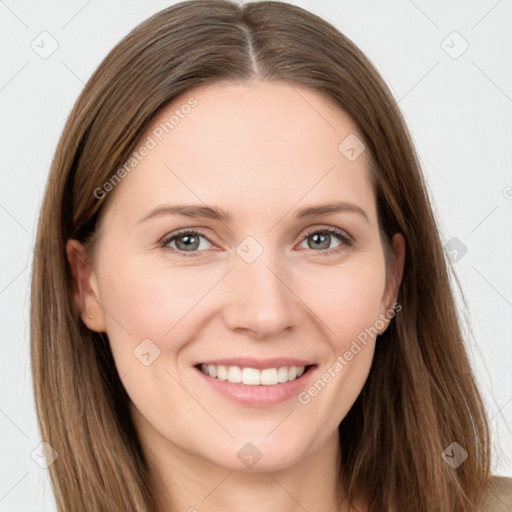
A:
(85, 287)
(394, 276)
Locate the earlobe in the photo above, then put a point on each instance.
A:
(85, 289)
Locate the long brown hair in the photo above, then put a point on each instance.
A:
(420, 395)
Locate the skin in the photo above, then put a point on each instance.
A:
(260, 151)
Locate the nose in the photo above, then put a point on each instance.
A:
(260, 300)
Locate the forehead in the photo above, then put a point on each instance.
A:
(253, 146)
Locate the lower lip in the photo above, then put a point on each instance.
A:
(259, 396)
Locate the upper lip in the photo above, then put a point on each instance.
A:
(260, 364)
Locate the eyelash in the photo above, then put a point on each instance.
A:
(346, 240)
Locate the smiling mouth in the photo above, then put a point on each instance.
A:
(253, 376)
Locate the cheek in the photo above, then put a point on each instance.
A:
(153, 312)
(150, 301)
(347, 299)
(350, 308)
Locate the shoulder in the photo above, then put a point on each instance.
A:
(498, 495)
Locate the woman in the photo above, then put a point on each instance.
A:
(240, 298)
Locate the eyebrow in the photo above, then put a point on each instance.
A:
(215, 213)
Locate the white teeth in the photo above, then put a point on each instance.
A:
(282, 374)
(253, 376)
(222, 373)
(234, 374)
(269, 377)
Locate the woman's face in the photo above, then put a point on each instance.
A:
(265, 287)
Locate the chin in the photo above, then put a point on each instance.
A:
(259, 455)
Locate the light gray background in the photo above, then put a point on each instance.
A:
(458, 110)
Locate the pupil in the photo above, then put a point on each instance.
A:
(318, 238)
(188, 241)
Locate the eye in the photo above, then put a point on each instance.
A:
(322, 238)
(189, 241)
(186, 241)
